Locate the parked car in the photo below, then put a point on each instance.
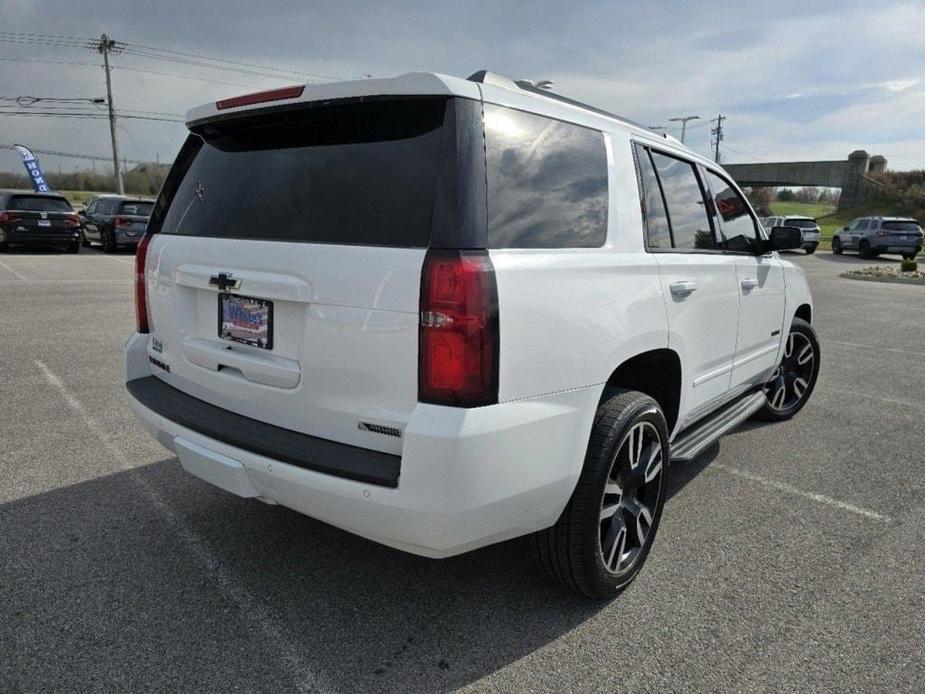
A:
(871, 236)
(456, 313)
(115, 220)
(808, 226)
(38, 219)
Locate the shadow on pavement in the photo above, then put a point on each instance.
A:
(100, 589)
(854, 259)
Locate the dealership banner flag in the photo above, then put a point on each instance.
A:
(32, 166)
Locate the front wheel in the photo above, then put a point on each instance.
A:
(811, 248)
(793, 381)
(601, 540)
(864, 250)
(836, 246)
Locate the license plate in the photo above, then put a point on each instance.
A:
(44, 222)
(245, 319)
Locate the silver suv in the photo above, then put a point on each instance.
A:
(871, 236)
(807, 225)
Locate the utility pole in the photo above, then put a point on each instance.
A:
(717, 133)
(683, 121)
(105, 46)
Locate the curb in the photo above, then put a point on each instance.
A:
(889, 280)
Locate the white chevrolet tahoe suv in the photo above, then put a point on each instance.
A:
(440, 313)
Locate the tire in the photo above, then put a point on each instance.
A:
(83, 240)
(611, 489)
(109, 242)
(791, 373)
(810, 249)
(73, 248)
(909, 256)
(836, 246)
(864, 249)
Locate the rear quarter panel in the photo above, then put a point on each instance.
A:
(569, 317)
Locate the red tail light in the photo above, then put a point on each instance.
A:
(458, 333)
(120, 222)
(9, 217)
(141, 294)
(72, 220)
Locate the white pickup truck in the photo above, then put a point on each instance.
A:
(442, 312)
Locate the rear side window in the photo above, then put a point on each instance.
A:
(139, 208)
(37, 203)
(547, 182)
(359, 173)
(687, 214)
(900, 226)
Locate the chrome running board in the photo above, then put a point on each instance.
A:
(698, 438)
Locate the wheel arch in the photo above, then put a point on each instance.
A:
(805, 312)
(657, 373)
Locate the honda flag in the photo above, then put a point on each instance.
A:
(32, 166)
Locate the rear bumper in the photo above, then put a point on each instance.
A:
(54, 237)
(898, 247)
(123, 238)
(467, 478)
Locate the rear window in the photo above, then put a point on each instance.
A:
(900, 226)
(361, 174)
(800, 223)
(141, 208)
(37, 203)
(547, 182)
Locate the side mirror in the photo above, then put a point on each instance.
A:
(784, 239)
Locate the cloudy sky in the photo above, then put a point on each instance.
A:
(797, 80)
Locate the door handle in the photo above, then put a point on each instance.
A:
(749, 283)
(683, 288)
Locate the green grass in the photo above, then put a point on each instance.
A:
(804, 209)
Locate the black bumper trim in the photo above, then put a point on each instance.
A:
(292, 447)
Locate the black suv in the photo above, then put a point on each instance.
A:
(38, 219)
(114, 220)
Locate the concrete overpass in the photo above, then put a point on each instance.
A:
(851, 175)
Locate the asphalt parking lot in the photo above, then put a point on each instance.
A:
(790, 556)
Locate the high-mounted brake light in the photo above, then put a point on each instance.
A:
(261, 97)
(458, 332)
(141, 293)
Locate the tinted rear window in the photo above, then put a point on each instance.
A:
(139, 208)
(547, 182)
(362, 174)
(800, 223)
(900, 226)
(36, 203)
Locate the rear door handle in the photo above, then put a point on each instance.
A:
(683, 288)
(749, 283)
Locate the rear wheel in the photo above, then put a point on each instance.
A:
(909, 256)
(864, 250)
(793, 381)
(109, 242)
(810, 249)
(836, 246)
(73, 247)
(601, 540)
(83, 240)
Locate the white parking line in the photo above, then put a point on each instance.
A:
(790, 489)
(305, 679)
(876, 348)
(15, 274)
(881, 398)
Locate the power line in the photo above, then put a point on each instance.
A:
(73, 155)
